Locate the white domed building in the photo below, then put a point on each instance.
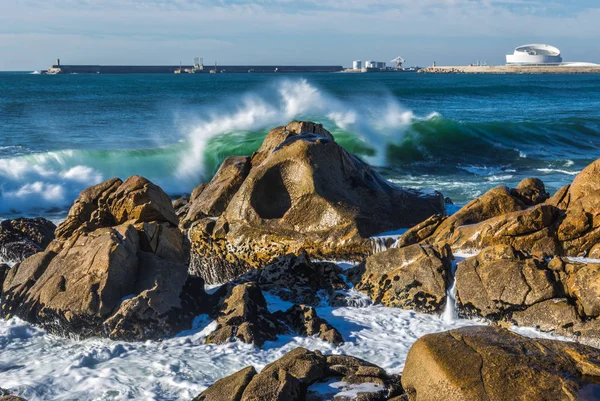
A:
(534, 54)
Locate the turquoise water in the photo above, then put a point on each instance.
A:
(459, 134)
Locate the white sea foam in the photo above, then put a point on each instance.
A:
(557, 170)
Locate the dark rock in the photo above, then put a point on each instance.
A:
(21, 238)
(304, 320)
(488, 363)
(244, 315)
(299, 280)
(413, 277)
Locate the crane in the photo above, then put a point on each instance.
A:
(399, 61)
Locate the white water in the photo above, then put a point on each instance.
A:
(34, 183)
(450, 315)
(39, 366)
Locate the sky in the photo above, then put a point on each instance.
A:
(33, 33)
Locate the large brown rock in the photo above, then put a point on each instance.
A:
(107, 275)
(532, 231)
(216, 195)
(413, 277)
(507, 286)
(21, 238)
(579, 232)
(488, 363)
(291, 378)
(586, 182)
(500, 280)
(305, 193)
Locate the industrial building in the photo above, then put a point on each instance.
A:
(534, 54)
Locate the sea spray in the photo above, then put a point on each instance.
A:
(35, 183)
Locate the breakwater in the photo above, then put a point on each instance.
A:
(170, 69)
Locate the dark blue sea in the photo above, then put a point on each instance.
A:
(460, 134)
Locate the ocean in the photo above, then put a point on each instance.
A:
(458, 134)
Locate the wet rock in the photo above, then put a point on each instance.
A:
(304, 321)
(413, 277)
(109, 276)
(530, 191)
(229, 388)
(214, 197)
(21, 238)
(305, 193)
(244, 315)
(499, 280)
(488, 363)
(293, 375)
(299, 280)
(4, 269)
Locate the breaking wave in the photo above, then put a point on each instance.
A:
(378, 128)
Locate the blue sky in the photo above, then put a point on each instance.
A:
(35, 32)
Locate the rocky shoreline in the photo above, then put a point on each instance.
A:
(130, 264)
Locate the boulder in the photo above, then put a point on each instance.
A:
(496, 202)
(510, 287)
(304, 193)
(579, 232)
(490, 363)
(582, 283)
(296, 375)
(586, 182)
(242, 314)
(304, 321)
(530, 191)
(21, 238)
(214, 197)
(413, 277)
(500, 280)
(532, 231)
(109, 276)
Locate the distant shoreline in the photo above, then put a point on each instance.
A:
(512, 69)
